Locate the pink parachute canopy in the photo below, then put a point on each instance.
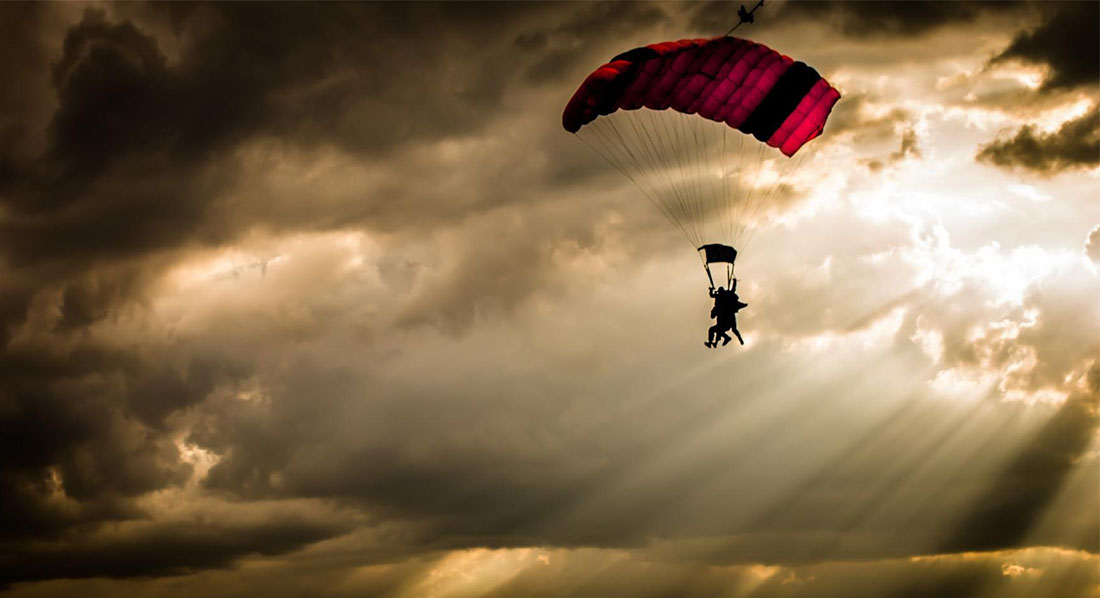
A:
(741, 83)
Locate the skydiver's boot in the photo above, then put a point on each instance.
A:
(726, 340)
(739, 339)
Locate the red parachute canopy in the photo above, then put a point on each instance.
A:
(741, 83)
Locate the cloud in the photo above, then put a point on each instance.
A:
(84, 430)
(526, 572)
(1092, 244)
(1075, 145)
(165, 548)
(560, 49)
(909, 149)
(1062, 43)
(1022, 492)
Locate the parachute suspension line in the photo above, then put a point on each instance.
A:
(718, 187)
(740, 189)
(658, 128)
(742, 211)
(744, 16)
(748, 211)
(643, 168)
(702, 179)
(677, 141)
(772, 195)
(727, 221)
(708, 189)
(640, 159)
(706, 267)
(664, 187)
(619, 163)
(704, 182)
(676, 162)
(673, 140)
(703, 185)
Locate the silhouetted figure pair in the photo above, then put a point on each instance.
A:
(726, 306)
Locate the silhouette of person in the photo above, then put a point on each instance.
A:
(744, 15)
(726, 306)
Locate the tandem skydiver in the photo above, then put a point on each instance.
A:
(726, 306)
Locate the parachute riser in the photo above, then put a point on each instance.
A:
(710, 276)
(706, 267)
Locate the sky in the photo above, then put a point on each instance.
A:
(321, 300)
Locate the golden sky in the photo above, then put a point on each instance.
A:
(320, 300)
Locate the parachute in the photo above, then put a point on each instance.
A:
(676, 117)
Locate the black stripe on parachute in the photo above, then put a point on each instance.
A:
(782, 99)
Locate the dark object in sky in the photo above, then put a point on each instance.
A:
(745, 16)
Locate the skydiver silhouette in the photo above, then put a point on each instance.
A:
(726, 306)
(744, 15)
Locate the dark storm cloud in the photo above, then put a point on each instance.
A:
(90, 298)
(1075, 145)
(24, 107)
(1023, 491)
(86, 422)
(859, 20)
(1065, 41)
(113, 88)
(135, 143)
(854, 119)
(909, 149)
(560, 49)
(136, 162)
(165, 549)
(139, 155)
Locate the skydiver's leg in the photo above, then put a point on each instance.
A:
(739, 339)
(712, 336)
(721, 329)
